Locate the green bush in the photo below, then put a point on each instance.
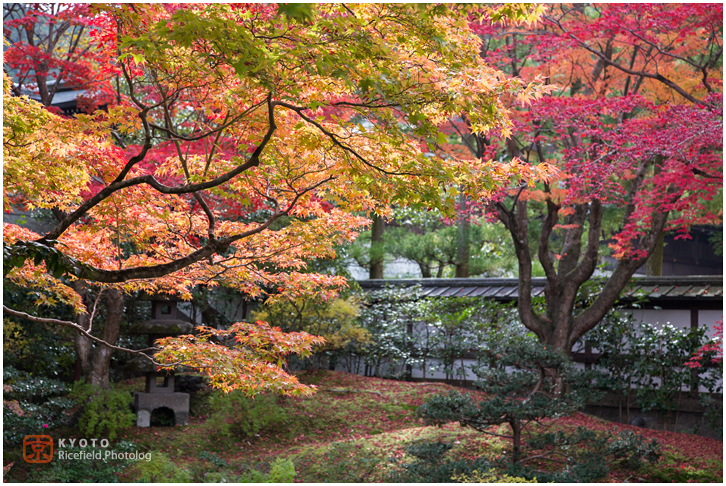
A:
(645, 365)
(212, 458)
(236, 414)
(103, 412)
(26, 386)
(35, 418)
(159, 469)
(684, 474)
(32, 405)
(32, 346)
(386, 314)
(431, 466)
(520, 390)
(490, 476)
(220, 477)
(341, 462)
(281, 471)
(410, 332)
(714, 410)
(334, 320)
(589, 455)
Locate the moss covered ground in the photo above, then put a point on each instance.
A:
(353, 429)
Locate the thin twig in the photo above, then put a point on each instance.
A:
(46, 320)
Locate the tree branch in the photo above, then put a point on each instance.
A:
(116, 186)
(572, 244)
(543, 250)
(603, 57)
(334, 138)
(624, 270)
(586, 268)
(44, 320)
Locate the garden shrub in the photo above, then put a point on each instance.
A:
(589, 455)
(341, 462)
(677, 468)
(714, 411)
(159, 469)
(281, 471)
(430, 465)
(211, 469)
(32, 405)
(32, 346)
(235, 413)
(521, 389)
(647, 365)
(683, 474)
(388, 315)
(199, 402)
(212, 458)
(21, 418)
(334, 319)
(220, 477)
(430, 334)
(104, 412)
(455, 327)
(489, 476)
(660, 354)
(29, 387)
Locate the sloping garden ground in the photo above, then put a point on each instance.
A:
(354, 429)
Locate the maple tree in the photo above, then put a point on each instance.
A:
(635, 128)
(53, 46)
(712, 350)
(260, 134)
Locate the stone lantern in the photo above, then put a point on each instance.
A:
(164, 323)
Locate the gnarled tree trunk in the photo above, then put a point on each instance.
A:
(94, 361)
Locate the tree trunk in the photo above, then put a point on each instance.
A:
(516, 440)
(81, 344)
(101, 361)
(462, 240)
(425, 269)
(376, 258)
(95, 361)
(654, 267)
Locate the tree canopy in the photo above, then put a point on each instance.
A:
(246, 140)
(634, 126)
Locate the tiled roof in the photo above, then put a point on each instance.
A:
(653, 288)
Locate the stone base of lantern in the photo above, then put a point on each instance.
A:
(145, 403)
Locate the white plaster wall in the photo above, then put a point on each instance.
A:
(676, 318)
(709, 318)
(398, 268)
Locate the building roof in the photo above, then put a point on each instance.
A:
(706, 288)
(62, 97)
